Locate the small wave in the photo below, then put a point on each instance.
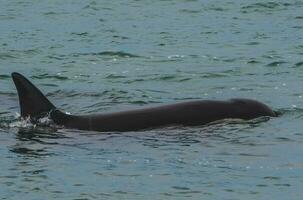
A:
(231, 60)
(7, 56)
(135, 80)
(73, 93)
(47, 76)
(4, 76)
(49, 84)
(80, 34)
(165, 77)
(120, 37)
(56, 57)
(154, 77)
(7, 94)
(253, 61)
(175, 56)
(292, 111)
(276, 63)
(93, 5)
(30, 152)
(299, 64)
(114, 76)
(267, 6)
(214, 75)
(50, 13)
(190, 11)
(141, 102)
(27, 52)
(119, 54)
(168, 77)
(252, 43)
(216, 8)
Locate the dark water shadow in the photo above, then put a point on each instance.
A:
(35, 141)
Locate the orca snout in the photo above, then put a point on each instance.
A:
(249, 109)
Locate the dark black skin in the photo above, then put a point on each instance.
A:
(34, 104)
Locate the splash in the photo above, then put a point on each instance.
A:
(21, 123)
(27, 122)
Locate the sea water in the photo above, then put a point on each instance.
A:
(102, 56)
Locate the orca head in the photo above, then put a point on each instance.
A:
(249, 109)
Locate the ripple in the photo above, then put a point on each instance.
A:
(264, 6)
(253, 61)
(56, 57)
(272, 177)
(299, 64)
(165, 77)
(180, 188)
(30, 152)
(253, 43)
(276, 63)
(50, 13)
(114, 76)
(4, 76)
(120, 37)
(253, 155)
(273, 5)
(47, 76)
(190, 11)
(290, 111)
(7, 56)
(119, 54)
(214, 75)
(16, 53)
(80, 34)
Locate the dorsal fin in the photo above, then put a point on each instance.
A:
(32, 102)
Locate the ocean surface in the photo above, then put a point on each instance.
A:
(101, 56)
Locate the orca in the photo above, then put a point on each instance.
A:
(34, 105)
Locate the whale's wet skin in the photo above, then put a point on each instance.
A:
(97, 57)
(34, 105)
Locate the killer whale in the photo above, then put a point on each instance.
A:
(34, 104)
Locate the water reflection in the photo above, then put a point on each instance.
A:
(35, 142)
(29, 152)
(37, 133)
(224, 131)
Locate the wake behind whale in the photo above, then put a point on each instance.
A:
(34, 105)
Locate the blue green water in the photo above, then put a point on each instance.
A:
(97, 56)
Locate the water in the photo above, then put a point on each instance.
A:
(97, 56)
